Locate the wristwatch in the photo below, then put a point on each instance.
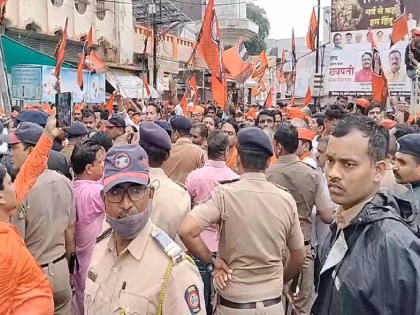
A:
(210, 265)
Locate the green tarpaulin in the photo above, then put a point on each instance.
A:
(16, 54)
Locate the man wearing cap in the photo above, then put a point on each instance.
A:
(115, 128)
(304, 151)
(171, 202)
(49, 203)
(305, 184)
(185, 156)
(407, 164)
(250, 117)
(76, 133)
(77, 113)
(138, 268)
(245, 282)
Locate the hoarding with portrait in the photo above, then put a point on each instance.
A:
(351, 60)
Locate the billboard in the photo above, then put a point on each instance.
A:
(351, 60)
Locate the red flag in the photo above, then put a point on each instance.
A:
(237, 62)
(146, 85)
(193, 90)
(80, 67)
(308, 97)
(110, 104)
(312, 32)
(400, 26)
(269, 102)
(379, 83)
(60, 50)
(184, 104)
(210, 46)
(280, 72)
(260, 65)
(94, 63)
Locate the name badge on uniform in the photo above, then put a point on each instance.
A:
(92, 275)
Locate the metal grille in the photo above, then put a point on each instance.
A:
(100, 10)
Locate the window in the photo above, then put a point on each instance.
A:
(81, 5)
(57, 3)
(100, 10)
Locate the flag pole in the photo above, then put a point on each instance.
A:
(317, 49)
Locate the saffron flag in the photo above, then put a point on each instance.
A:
(237, 62)
(269, 101)
(400, 24)
(379, 82)
(146, 84)
(110, 104)
(60, 50)
(210, 46)
(293, 46)
(260, 88)
(219, 89)
(312, 32)
(308, 97)
(260, 65)
(193, 90)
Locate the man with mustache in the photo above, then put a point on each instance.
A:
(394, 74)
(365, 74)
(372, 241)
(137, 268)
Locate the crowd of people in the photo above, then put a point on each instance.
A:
(254, 210)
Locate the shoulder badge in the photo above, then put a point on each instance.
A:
(171, 249)
(192, 298)
(180, 184)
(278, 186)
(222, 182)
(105, 234)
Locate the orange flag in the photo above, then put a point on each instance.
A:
(94, 63)
(379, 83)
(237, 62)
(110, 104)
(293, 46)
(146, 85)
(312, 32)
(260, 65)
(259, 89)
(210, 46)
(193, 90)
(400, 26)
(219, 89)
(60, 50)
(292, 101)
(308, 97)
(269, 102)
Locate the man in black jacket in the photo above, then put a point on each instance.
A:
(370, 260)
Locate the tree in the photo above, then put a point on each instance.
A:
(258, 16)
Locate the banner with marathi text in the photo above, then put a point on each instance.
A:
(351, 63)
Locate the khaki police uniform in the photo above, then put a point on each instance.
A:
(171, 203)
(151, 272)
(257, 221)
(42, 218)
(305, 185)
(68, 151)
(185, 157)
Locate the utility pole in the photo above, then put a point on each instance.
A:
(317, 48)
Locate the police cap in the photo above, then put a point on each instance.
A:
(409, 144)
(254, 139)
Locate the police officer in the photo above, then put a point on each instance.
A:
(75, 133)
(115, 128)
(171, 202)
(257, 221)
(305, 184)
(138, 269)
(407, 165)
(45, 219)
(185, 156)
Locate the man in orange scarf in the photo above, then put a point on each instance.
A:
(24, 288)
(231, 128)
